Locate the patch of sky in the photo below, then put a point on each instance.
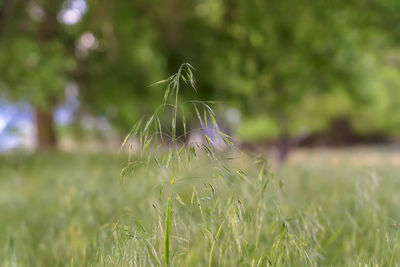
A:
(17, 120)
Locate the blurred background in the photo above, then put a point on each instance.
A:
(75, 74)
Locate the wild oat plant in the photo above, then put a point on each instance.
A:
(230, 226)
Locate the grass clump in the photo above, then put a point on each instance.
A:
(162, 147)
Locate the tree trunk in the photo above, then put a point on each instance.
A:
(7, 8)
(284, 147)
(45, 135)
(284, 144)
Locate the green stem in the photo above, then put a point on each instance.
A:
(174, 151)
(167, 231)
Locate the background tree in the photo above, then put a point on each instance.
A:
(35, 60)
(297, 64)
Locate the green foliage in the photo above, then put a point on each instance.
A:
(284, 53)
(270, 58)
(32, 64)
(33, 71)
(258, 129)
(117, 75)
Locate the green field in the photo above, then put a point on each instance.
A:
(74, 210)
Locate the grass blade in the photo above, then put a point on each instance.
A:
(167, 232)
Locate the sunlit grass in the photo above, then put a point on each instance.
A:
(72, 209)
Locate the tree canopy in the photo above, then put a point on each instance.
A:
(289, 65)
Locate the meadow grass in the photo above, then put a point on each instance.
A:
(72, 210)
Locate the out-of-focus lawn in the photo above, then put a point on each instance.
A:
(322, 208)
